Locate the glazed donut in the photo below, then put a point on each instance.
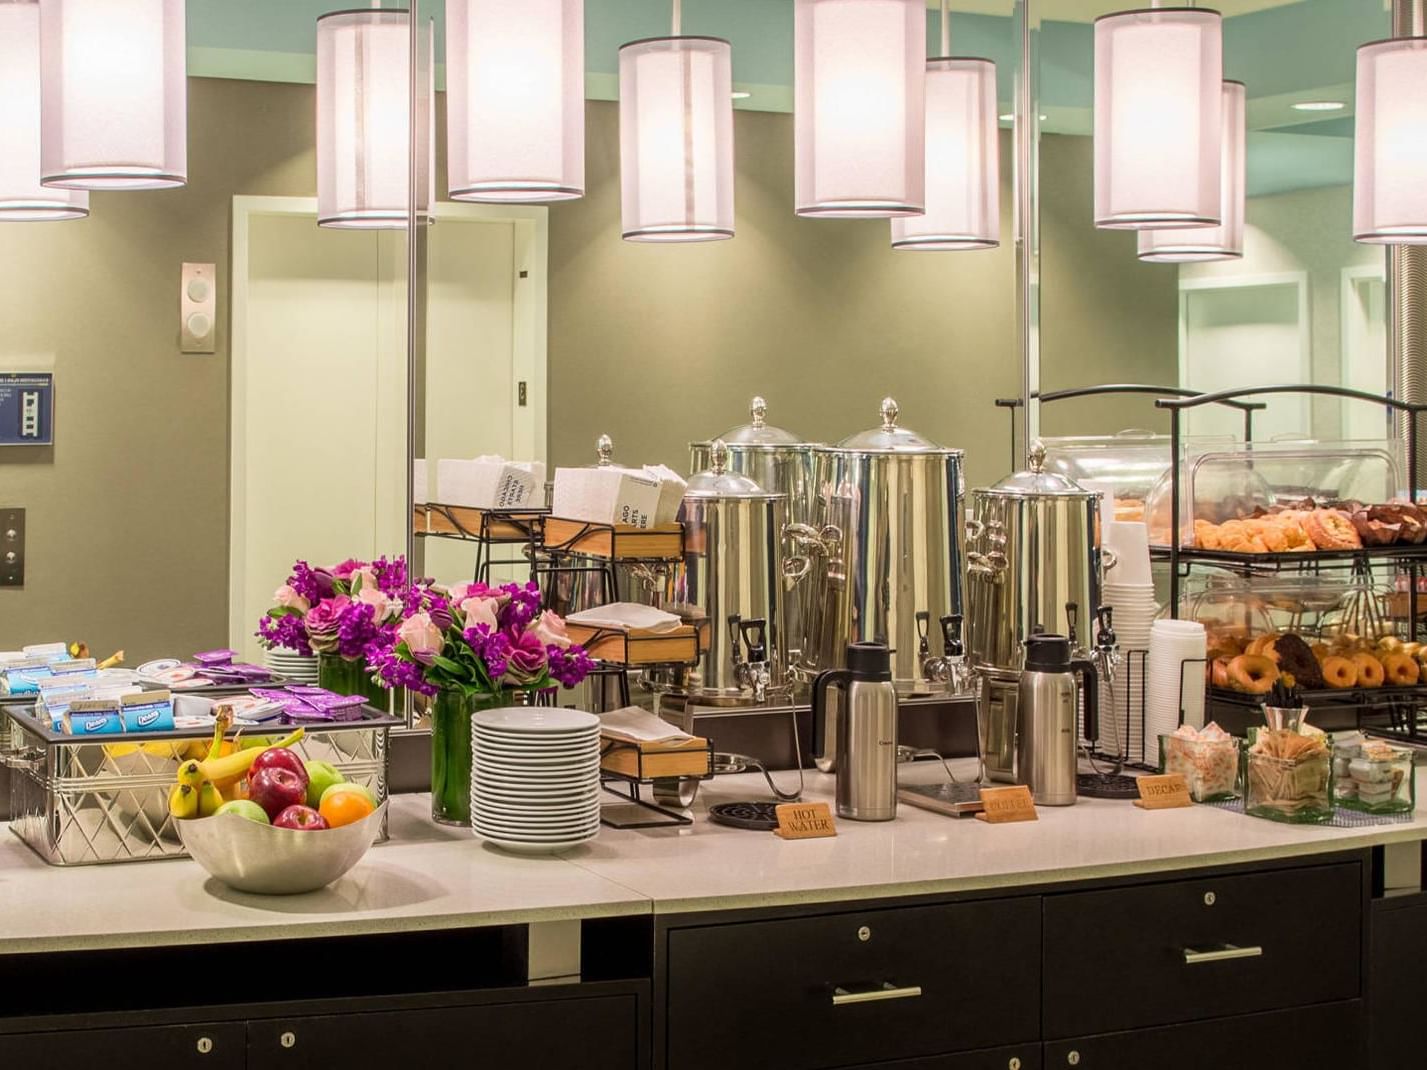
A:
(1370, 672)
(1252, 673)
(1401, 670)
(1339, 672)
(1332, 529)
(1219, 672)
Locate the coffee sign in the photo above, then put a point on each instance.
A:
(1004, 805)
(805, 821)
(1162, 792)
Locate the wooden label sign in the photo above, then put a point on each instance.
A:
(805, 821)
(1163, 792)
(1003, 805)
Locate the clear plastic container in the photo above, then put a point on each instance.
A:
(1210, 766)
(1126, 465)
(1374, 777)
(1293, 790)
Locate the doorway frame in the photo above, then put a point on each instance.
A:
(529, 354)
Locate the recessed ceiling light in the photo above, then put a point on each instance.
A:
(1319, 105)
(739, 94)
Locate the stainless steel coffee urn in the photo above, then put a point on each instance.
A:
(780, 462)
(1033, 552)
(864, 733)
(1047, 743)
(883, 560)
(730, 581)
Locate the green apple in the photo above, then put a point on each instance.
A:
(244, 808)
(320, 777)
(350, 786)
(249, 742)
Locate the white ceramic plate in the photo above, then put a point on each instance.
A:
(539, 785)
(516, 847)
(549, 807)
(539, 720)
(523, 830)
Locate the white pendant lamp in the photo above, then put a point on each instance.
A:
(364, 120)
(114, 94)
(1185, 245)
(515, 98)
(22, 198)
(676, 138)
(1390, 156)
(963, 171)
(858, 108)
(1158, 91)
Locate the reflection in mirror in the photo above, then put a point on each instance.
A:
(1303, 304)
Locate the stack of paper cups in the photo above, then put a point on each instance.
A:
(1176, 678)
(1122, 707)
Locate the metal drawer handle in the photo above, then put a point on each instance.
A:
(888, 990)
(1220, 954)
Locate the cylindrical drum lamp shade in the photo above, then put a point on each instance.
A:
(1390, 164)
(676, 139)
(1184, 245)
(1158, 86)
(114, 94)
(515, 99)
(859, 118)
(963, 171)
(21, 195)
(364, 120)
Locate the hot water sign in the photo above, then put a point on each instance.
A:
(27, 408)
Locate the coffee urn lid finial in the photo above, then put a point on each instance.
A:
(604, 446)
(758, 409)
(890, 411)
(719, 455)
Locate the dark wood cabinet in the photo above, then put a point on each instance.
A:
(1024, 1057)
(850, 988)
(206, 1046)
(1312, 1038)
(597, 1033)
(1203, 947)
(1398, 951)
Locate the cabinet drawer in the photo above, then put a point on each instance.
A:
(598, 1033)
(202, 1047)
(1163, 953)
(1023, 1057)
(1315, 1038)
(796, 992)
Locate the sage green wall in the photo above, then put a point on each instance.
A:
(661, 344)
(654, 344)
(128, 513)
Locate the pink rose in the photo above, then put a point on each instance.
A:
(287, 598)
(367, 575)
(528, 659)
(345, 569)
(480, 610)
(385, 606)
(550, 627)
(422, 638)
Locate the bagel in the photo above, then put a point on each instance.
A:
(1219, 672)
(1370, 672)
(1332, 529)
(1339, 672)
(1401, 670)
(1253, 674)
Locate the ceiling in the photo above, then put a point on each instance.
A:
(1286, 51)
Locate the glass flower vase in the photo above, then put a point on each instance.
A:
(344, 677)
(451, 752)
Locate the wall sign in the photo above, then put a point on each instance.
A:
(27, 408)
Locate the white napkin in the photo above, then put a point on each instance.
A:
(635, 725)
(627, 616)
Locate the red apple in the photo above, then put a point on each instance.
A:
(279, 758)
(275, 789)
(300, 817)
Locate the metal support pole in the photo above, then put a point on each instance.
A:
(1407, 290)
(1026, 136)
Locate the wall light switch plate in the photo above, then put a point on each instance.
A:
(12, 547)
(198, 309)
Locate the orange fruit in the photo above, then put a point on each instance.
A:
(344, 807)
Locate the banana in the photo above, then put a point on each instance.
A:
(230, 768)
(222, 719)
(116, 658)
(182, 802)
(209, 799)
(190, 773)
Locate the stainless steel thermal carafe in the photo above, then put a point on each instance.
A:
(864, 732)
(1046, 737)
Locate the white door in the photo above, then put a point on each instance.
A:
(319, 382)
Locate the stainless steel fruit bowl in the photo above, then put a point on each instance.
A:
(253, 857)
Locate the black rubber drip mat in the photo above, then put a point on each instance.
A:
(1106, 786)
(757, 816)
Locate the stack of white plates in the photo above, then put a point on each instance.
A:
(1176, 677)
(299, 668)
(1135, 610)
(535, 778)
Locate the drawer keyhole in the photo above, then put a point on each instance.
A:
(1210, 899)
(204, 1045)
(1073, 1058)
(864, 934)
(288, 1040)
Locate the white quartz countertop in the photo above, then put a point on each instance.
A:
(430, 878)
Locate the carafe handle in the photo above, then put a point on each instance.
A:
(1092, 697)
(823, 681)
